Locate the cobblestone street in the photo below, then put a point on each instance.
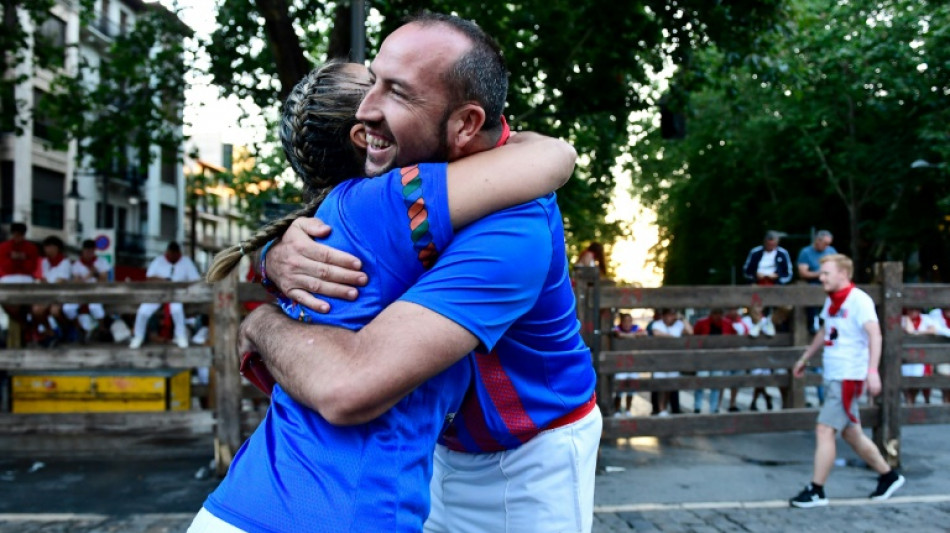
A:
(689, 484)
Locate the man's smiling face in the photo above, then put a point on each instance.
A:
(406, 109)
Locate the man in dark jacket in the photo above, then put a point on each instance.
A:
(768, 264)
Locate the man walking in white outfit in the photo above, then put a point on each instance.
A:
(171, 266)
(851, 337)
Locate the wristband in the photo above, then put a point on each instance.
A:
(872, 371)
(268, 285)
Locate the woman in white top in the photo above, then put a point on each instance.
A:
(915, 322)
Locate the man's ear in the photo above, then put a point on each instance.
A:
(463, 126)
(358, 136)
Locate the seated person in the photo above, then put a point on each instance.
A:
(53, 268)
(89, 268)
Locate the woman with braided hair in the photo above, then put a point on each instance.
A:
(299, 471)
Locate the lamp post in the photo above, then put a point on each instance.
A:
(76, 197)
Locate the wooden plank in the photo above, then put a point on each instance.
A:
(697, 382)
(926, 382)
(925, 414)
(253, 292)
(926, 295)
(182, 423)
(73, 447)
(106, 293)
(694, 360)
(713, 296)
(248, 391)
(107, 356)
(227, 379)
(887, 435)
(925, 353)
(722, 423)
(691, 342)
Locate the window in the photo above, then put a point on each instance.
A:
(170, 166)
(48, 195)
(169, 222)
(103, 22)
(123, 22)
(44, 127)
(105, 215)
(50, 45)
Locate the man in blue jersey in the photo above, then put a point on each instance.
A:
(521, 452)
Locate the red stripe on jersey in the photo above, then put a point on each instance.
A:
(504, 397)
(470, 419)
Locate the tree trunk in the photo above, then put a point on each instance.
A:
(292, 66)
(855, 237)
(340, 34)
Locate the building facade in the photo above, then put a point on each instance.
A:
(52, 192)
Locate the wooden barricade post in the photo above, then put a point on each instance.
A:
(887, 432)
(227, 378)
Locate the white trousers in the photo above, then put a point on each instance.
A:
(147, 310)
(96, 310)
(544, 486)
(205, 522)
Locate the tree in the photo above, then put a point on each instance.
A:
(119, 109)
(818, 130)
(577, 66)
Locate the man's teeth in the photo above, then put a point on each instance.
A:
(377, 142)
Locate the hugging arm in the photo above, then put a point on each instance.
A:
(528, 167)
(469, 297)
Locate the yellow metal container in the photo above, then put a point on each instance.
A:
(86, 391)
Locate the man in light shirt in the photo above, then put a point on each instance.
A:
(769, 263)
(89, 268)
(171, 266)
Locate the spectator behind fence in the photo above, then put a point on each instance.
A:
(758, 324)
(19, 259)
(768, 263)
(851, 341)
(54, 267)
(89, 268)
(669, 325)
(171, 266)
(714, 324)
(625, 329)
(593, 255)
(915, 322)
(941, 319)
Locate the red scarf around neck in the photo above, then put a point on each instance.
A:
(505, 132)
(54, 261)
(88, 262)
(838, 298)
(916, 322)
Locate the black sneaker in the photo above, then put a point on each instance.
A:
(886, 486)
(808, 498)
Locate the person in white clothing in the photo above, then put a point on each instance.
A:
(669, 325)
(915, 322)
(851, 337)
(171, 266)
(54, 267)
(941, 320)
(89, 268)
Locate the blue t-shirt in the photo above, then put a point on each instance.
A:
(515, 296)
(297, 472)
(813, 258)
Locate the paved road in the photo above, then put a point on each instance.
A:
(700, 484)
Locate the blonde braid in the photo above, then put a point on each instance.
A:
(314, 133)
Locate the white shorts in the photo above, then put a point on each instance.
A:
(205, 522)
(545, 485)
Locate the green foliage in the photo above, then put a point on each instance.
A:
(817, 131)
(576, 67)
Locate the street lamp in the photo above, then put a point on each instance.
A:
(923, 163)
(76, 197)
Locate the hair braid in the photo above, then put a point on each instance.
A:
(314, 133)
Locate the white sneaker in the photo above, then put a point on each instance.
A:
(181, 342)
(136, 342)
(663, 413)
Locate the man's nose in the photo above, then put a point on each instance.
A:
(369, 108)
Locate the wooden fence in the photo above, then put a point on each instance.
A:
(165, 432)
(598, 303)
(138, 433)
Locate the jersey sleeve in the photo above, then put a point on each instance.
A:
(154, 269)
(411, 203)
(491, 274)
